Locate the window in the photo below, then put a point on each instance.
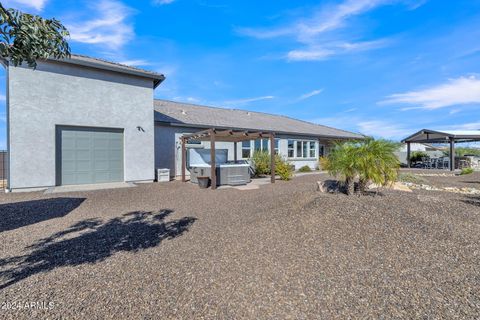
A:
(305, 149)
(321, 151)
(291, 148)
(258, 144)
(312, 149)
(261, 144)
(246, 154)
(276, 146)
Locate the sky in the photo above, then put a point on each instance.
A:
(385, 68)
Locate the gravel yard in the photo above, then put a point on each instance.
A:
(283, 251)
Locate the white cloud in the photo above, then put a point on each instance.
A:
(248, 100)
(110, 28)
(460, 91)
(464, 126)
(2, 97)
(37, 5)
(315, 53)
(384, 129)
(316, 32)
(379, 128)
(310, 94)
(135, 62)
(163, 2)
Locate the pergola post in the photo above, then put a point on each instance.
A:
(452, 154)
(235, 151)
(184, 160)
(409, 163)
(272, 157)
(213, 167)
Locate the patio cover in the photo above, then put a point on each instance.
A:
(442, 136)
(234, 136)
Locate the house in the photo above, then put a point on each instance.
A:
(300, 142)
(84, 121)
(79, 121)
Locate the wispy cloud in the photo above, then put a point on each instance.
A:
(108, 28)
(2, 97)
(316, 53)
(310, 94)
(315, 33)
(247, 100)
(163, 2)
(380, 128)
(460, 91)
(37, 5)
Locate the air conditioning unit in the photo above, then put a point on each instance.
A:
(163, 175)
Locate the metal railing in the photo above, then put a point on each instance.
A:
(3, 169)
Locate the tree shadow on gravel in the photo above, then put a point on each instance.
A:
(92, 241)
(471, 200)
(20, 214)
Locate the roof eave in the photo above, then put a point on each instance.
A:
(332, 137)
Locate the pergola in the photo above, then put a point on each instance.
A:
(449, 136)
(234, 136)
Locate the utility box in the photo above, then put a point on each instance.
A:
(163, 175)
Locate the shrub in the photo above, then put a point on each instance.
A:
(417, 156)
(466, 171)
(369, 160)
(261, 162)
(305, 169)
(412, 178)
(323, 163)
(283, 168)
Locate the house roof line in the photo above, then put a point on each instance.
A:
(103, 64)
(195, 115)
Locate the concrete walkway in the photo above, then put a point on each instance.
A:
(90, 187)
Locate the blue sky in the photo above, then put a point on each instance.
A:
(381, 67)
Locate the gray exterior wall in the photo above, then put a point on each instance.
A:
(68, 95)
(168, 148)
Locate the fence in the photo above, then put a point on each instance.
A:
(3, 169)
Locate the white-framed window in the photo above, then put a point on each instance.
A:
(277, 141)
(246, 149)
(302, 149)
(291, 149)
(261, 144)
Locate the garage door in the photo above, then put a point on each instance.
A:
(89, 155)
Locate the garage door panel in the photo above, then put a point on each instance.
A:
(89, 155)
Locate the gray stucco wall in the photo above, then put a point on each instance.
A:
(68, 95)
(168, 148)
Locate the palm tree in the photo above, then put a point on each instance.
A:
(342, 162)
(377, 163)
(369, 160)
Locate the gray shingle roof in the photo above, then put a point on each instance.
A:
(211, 117)
(114, 66)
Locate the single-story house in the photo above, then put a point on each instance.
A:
(299, 142)
(84, 121)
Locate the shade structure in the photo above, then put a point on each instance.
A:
(442, 136)
(234, 136)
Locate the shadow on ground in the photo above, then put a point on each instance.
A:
(21, 214)
(92, 241)
(472, 200)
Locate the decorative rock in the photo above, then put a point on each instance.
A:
(329, 186)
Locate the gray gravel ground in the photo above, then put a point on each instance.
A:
(283, 251)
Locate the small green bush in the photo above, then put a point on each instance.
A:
(466, 171)
(417, 156)
(305, 169)
(411, 178)
(283, 168)
(261, 161)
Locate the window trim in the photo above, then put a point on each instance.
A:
(302, 142)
